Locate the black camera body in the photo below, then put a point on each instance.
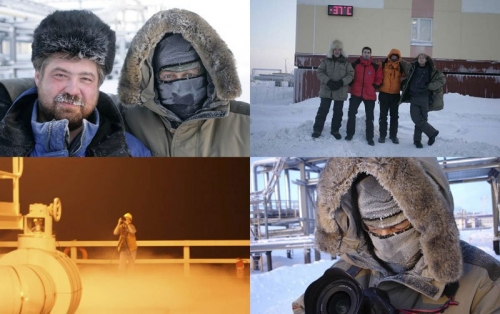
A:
(336, 292)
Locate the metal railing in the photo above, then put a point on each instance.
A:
(186, 244)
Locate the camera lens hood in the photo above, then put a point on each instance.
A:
(334, 292)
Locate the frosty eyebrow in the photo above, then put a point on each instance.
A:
(83, 73)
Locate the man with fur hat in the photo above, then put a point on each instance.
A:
(423, 89)
(367, 78)
(389, 95)
(335, 74)
(391, 221)
(177, 89)
(65, 114)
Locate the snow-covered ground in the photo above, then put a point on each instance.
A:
(468, 126)
(273, 292)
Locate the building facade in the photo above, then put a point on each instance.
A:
(459, 34)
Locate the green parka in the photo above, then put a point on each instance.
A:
(335, 69)
(220, 128)
(421, 190)
(435, 85)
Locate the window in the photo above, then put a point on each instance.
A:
(421, 32)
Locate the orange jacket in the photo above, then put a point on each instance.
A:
(392, 74)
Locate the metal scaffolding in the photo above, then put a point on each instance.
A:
(281, 217)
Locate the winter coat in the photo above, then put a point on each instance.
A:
(366, 73)
(436, 84)
(222, 128)
(391, 83)
(421, 189)
(335, 69)
(17, 136)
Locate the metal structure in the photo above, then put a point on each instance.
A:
(18, 20)
(276, 219)
(273, 212)
(467, 170)
(278, 222)
(36, 278)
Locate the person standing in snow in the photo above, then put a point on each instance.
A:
(424, 90)
(62, 113)
(367, 78)
(391, 221)
(335, 74)
(389, 96)
(177, 89)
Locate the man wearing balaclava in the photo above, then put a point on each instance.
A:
(395, 242)
(181, 85)
(391, 221)
(177, 90)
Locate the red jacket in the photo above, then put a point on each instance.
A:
(366, 73)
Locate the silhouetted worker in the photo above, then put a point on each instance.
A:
(127, 245)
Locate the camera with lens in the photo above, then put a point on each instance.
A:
(336, 292)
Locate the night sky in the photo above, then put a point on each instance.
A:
(169, 198)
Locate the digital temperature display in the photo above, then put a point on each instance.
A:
(341, 10)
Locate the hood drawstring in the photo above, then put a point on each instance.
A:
(449, 291)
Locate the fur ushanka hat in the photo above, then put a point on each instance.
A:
(78, 32)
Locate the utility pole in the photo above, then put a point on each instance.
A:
(285, 67)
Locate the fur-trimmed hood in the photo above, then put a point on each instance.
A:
(136, 85)
(421, 190)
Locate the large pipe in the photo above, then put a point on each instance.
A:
(26, 289)
(57, 274)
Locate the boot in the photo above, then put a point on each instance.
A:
(336, 135)
(395, 140)
(432, 139)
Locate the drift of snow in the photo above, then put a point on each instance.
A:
(273, 292)
(468, 126)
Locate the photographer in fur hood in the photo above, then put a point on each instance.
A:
(391, 221)
(64, 114)
(177, 89)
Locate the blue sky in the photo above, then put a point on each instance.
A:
(272, 33)
(473, 197)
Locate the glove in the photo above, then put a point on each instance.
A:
(334, 85)
(377, 301)
(375, 86)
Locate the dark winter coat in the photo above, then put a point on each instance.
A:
(222, 128)
(16, 134)
(391, 83)
(366, 74)
(421, 190)
(435, 86)
(335, 69)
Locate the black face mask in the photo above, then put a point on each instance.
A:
(183, 97)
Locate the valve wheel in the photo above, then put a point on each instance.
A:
(56, 209)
